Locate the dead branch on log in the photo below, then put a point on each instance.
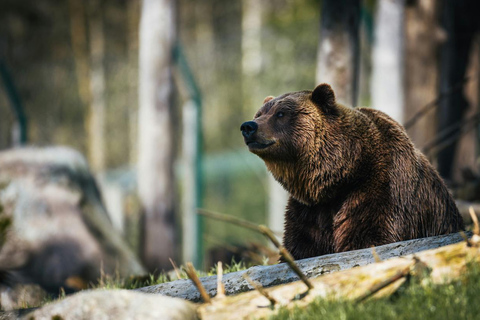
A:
(377, 280)
(313, 267)
(190, 271)
(257, 286)
(379, 286)
(476, 228)
(464, 236)
(220, 285)
(375, 255)
(266, 232)
(177, 272)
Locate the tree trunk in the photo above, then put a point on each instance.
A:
(78, 37)
(387, 77)
(422, 42)
(460, 22)
(96, 117)
(338, 50)
(252, 11)
(156, 135)
(133, 14)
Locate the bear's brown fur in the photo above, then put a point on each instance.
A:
(354, 177)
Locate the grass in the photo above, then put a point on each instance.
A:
(134, 282)
(456, 300)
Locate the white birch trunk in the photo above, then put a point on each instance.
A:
(155, 159)
(387, 74)
(338, 49)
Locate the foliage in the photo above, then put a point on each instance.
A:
(456, 300)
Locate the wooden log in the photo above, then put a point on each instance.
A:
(268, 276)
(380, 279)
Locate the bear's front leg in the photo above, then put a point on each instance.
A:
(363, 225)
(308, 230)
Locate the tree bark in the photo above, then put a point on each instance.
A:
(338, 50)
(269, 276)
(133, 14)
(460, 23)
(156, 135)
(422, 42)
(387, 75)
(96, 115)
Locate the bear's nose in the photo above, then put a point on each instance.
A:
(248, 128)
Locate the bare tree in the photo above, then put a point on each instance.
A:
(156, 134)
(338, 50)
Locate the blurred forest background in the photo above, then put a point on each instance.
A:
(76, 73)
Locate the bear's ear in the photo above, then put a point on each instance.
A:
(268, 99)
(324, 97)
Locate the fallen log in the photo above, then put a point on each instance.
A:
(268, 276)
(380, 279)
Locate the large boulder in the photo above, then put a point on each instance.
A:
(56, 231)
(118, 305)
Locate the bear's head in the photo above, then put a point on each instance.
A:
(285, 127)
(303, 139)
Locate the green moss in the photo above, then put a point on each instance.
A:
(456, 300)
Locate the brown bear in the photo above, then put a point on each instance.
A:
(354, 177)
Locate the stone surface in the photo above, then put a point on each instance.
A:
(58, 233)
(116, 304)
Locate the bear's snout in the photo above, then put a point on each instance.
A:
(248, 128)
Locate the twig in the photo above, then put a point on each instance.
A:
(266, 232)
(230, 219)
(190, 270)
(257, 286)
(286, 255)
(464, 236)
(375, 255)
(177, 272)
(476, 228)
(450, 134)
(220, 286)
(433, 104)
(379, 286)
(248, 253)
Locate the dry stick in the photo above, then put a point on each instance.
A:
(432, 104)
(190, 270)
(265, 231)
(220, 286)
(375, 255)
(248, 254)
(476, 228)
(177, 272)
(464, 236)
(379, 286)
(257, 286)
(286, 255)
(450, 134)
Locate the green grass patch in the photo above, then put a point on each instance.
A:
(134, 282)
(456, 300)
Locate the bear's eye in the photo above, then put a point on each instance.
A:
(280, 114)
